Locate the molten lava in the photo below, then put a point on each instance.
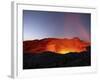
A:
(60, 46)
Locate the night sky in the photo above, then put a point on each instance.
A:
(43, 24)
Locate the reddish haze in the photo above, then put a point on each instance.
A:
(60, 46)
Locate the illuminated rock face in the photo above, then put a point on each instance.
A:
(60, 46)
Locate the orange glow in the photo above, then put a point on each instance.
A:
(51, 48)
(64, 51)
(64, 46)
(59, 46)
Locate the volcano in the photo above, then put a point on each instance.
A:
(59, 46)
(54, 52)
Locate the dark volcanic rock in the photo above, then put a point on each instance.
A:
(51, 60)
